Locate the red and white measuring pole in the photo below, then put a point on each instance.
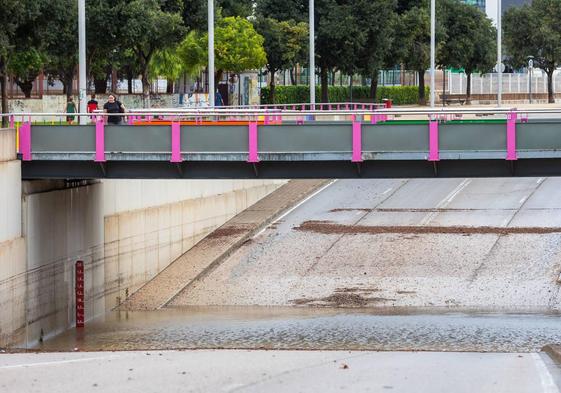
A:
(80, 306)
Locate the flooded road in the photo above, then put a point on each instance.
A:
(313, 329)
(388, 265)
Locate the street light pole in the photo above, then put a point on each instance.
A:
(211, 53)
(312, 70)
(82, 59)
(432, 50)
(499, 53)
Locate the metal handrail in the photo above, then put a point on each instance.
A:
(260, 112)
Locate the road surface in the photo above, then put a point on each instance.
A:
(278, 371)
(380, 243)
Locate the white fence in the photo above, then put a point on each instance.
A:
(456, 83)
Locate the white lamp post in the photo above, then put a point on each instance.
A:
(211, 53)
(432, 50)
(312, 70)
(82, 59)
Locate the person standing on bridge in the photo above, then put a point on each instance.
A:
(218, 100)
(114, 106)
(70, 108)
(92, 107)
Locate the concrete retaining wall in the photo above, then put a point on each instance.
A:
(12, 244)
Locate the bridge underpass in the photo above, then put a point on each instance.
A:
(294, 287)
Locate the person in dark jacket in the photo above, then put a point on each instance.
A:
(114, 106)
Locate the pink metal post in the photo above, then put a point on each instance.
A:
(12, 121)
(253, 155)
(511, 137)
(25, 141)
(434, 154)
(266, 120)
(374, 119)
(176, 142)
(357, 142)
(100, 140)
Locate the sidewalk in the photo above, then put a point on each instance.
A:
(209, 252)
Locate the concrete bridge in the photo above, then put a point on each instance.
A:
(389, 143)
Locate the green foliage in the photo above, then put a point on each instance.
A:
(534, 30)
(285, 42)
(145, 29)
(400, 95)
(192, 53)
(59, 32)
(26, 65)
(283, 10)
(166, 63)
(237, 47)
(195, 11)
(379, 21)
(413, 39)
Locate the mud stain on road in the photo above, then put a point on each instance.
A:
(344, 297)
(329, 228)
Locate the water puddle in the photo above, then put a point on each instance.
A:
(313, 329)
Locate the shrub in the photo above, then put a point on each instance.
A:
(400, 95)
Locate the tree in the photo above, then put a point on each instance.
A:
(339, 40)
(458, 49)
(103, 40)
(127, 67)
(238, 47)
(195, 11)
(146, 28)
(413, 44)
(534, 30)
(16, 19)
(26, 65)
(480, 55)
(378, 19)
(192, 53)
(60, 33)
(283, 10)
(285, 44)
(167, 63)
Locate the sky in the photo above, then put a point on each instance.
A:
(491, 10)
